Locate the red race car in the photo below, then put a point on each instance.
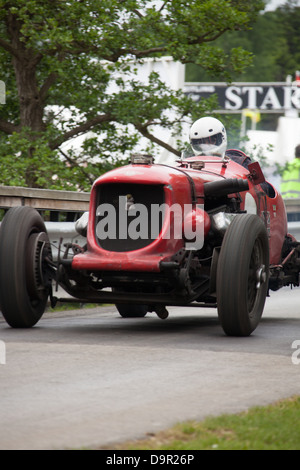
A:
(205, 232)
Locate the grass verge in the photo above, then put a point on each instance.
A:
(274, 427)
(65, 306)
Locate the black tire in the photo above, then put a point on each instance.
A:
(132, 310)
(24, 286)
(242, 275)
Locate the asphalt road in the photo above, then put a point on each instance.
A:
(89, 378)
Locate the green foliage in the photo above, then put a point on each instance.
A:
(70, 72)
(273, 42)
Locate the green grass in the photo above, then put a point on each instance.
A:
(65, 306)
(274, 427)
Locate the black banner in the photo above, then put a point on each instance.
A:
(263, 97)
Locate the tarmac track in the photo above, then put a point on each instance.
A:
(89, 379)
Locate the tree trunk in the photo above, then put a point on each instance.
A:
(25, 62)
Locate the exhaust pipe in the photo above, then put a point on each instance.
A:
(225, 187)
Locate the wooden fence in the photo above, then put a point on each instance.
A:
(43, 199)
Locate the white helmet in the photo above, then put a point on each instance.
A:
(208, 137)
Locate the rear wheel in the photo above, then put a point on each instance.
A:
(24, 278)
(132, 310)
(242, 275)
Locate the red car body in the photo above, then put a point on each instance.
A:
(177, 190)
(220, 240)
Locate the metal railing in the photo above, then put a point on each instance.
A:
(44, 199)
(64, 208)
(293, 213)
(52, 199)
(73, 203)
(292, 205)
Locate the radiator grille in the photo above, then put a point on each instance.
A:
(129, 216)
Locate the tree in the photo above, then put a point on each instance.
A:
(288, 60)
(273, 41)
(64, 63)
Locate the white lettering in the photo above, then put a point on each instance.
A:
(157, 214)
(117, 460)
(194, 227)
(287, 98)
(296, 98)
(106, 227)
(2, 353)
(138, 227)
(271, 100)
(252, 95)
(174, 221)
(123, 212)
(171, 459)
(296, 354)
(233, 100)
(2, 92)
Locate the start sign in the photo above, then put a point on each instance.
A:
(265, 97)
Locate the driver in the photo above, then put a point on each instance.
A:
(208, 137)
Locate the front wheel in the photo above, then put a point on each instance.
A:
(24, 278)
(242, 275)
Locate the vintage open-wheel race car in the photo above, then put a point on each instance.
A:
(205, 232)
